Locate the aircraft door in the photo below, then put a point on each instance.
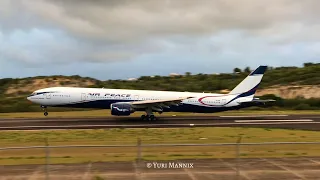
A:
(83, 96)
(136, 97)
(224, 101)
(48, 95)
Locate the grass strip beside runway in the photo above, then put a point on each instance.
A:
(153, 136)
(106, 113)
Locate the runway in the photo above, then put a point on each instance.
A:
(305, 122)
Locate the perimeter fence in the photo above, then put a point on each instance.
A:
(88, 161)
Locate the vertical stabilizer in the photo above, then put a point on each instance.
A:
(250, 84)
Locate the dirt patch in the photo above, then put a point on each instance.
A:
(30, 85)
(291, 92)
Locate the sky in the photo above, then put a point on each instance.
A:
(121, 39)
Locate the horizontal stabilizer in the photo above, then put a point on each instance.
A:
(258, 101)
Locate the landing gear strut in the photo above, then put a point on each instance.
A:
(44, 108)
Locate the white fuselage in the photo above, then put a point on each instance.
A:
(103, 98)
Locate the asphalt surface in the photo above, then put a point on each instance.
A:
(302, 168)
(305, 122)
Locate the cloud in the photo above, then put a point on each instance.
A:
(59, 31)
(127, 20)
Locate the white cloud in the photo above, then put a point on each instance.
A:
(62, 31)
(137, 20)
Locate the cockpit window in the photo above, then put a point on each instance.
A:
(39, 93)
(35, 93)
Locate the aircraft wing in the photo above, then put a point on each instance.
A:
(157, 105)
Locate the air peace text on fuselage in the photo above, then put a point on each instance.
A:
(110, 95)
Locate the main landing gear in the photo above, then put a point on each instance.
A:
(44, 108)
(148, 117)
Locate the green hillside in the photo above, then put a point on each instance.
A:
(14, 91)
(307, 75)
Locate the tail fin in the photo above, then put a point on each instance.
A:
(250, 84)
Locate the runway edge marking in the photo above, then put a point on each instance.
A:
(274, 120)
(285, 168)
(275, 115)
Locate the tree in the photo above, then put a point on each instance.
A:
(308, 64)
(247, 70)
(188, 73)
(236, 70)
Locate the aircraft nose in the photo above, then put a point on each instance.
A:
(29, 99)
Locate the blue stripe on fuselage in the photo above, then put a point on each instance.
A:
(245, 94)
(105, 104)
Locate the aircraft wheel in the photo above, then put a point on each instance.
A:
(143, 117)
(152, 118)
(45, 113)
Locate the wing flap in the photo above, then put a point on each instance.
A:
(158, 104)
(164, 101)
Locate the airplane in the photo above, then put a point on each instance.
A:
(124, 102)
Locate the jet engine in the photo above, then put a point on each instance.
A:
(121, 109)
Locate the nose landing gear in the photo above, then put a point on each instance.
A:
(44, 108)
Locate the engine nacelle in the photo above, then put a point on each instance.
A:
(121, 109)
